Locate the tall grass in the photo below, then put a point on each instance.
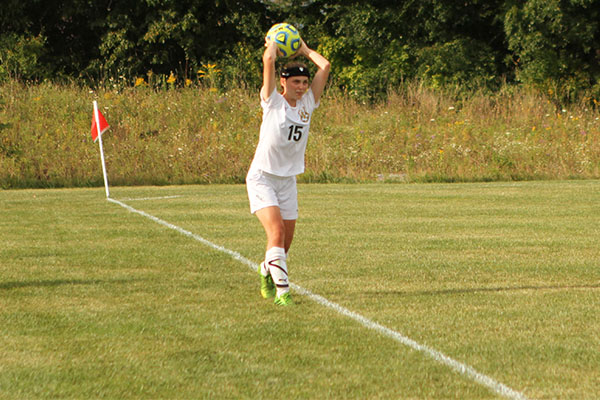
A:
(199, 135)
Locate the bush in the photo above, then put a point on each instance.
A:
(555, 41)
(20, 57)
(463, 62)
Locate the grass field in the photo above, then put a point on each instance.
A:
(100, 302)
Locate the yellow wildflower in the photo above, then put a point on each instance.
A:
(208, 71)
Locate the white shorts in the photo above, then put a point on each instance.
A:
(266, 190)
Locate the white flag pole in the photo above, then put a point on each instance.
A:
(97, 119)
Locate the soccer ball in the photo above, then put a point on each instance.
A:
(287, 38)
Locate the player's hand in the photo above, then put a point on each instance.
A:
(270, 42)
(303, 50)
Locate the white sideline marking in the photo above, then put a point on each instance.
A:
(150, 198)
(461, 368)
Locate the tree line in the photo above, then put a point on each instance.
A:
(374, 46)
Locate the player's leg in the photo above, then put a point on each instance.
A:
(283, 293)
(289, 228)
(287, 196)
(263, 202)
(272, 199)
(288, 206)
(274, 226)
(275, 257)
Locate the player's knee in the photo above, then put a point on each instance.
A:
(277, 233)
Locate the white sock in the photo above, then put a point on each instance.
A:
(264, 271)
(275, 262)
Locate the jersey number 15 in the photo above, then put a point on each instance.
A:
(295, 132)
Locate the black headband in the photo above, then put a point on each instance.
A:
(295, 71)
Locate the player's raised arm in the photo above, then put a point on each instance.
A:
(323, 65)
(269, 81)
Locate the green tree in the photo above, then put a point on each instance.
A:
(175, 35)
(67, 31)
(375, 45)
(555, 41)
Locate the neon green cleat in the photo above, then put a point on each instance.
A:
(267, 287)
(284, 300)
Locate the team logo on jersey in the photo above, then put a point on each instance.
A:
(304, 116)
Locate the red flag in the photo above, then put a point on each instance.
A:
(103, 125)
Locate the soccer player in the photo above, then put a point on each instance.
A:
(279, 157)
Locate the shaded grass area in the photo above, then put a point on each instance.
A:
(196, 136)
(99, 302)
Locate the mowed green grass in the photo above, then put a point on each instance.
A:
(99, 302)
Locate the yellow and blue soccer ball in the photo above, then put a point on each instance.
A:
(287, 38)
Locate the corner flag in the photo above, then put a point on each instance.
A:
(99, 125)
(98, 129)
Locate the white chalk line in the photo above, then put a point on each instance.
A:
(150, 198)
(463, 369)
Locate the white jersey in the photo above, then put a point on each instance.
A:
(283, 135)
